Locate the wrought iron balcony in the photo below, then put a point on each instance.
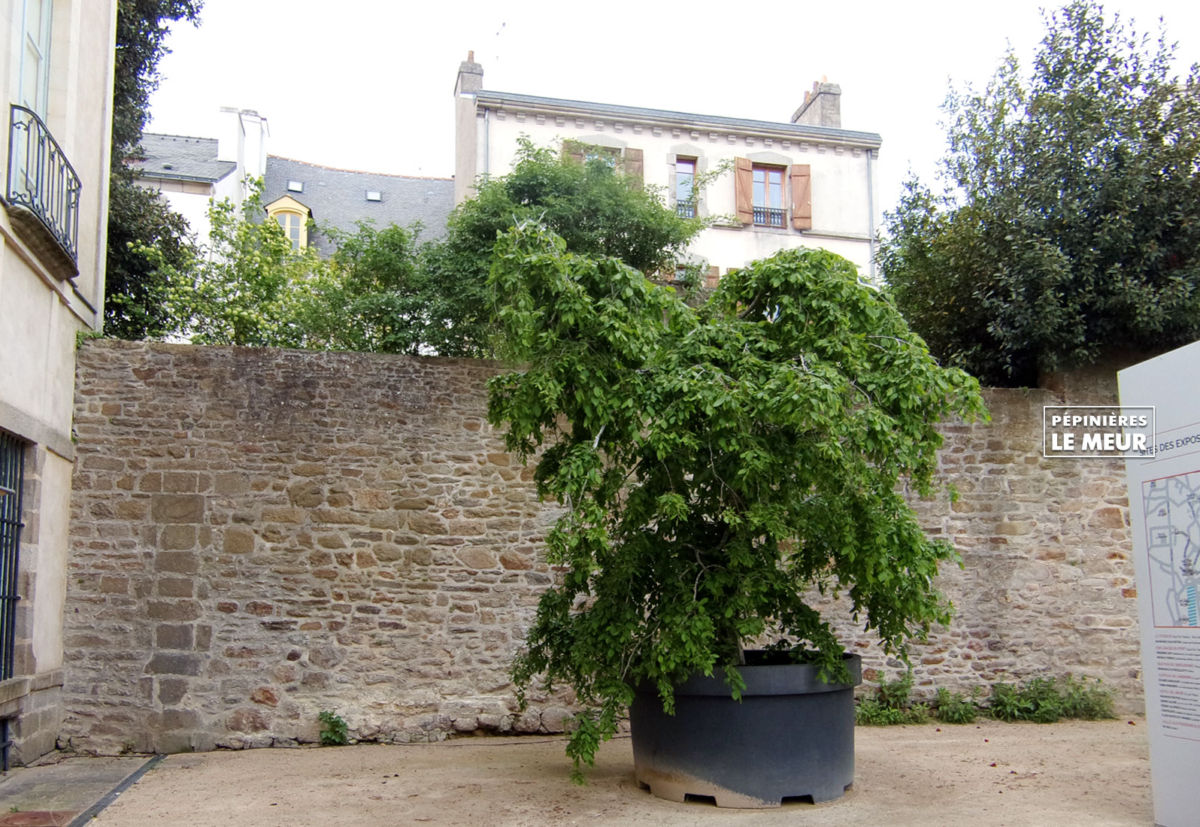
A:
(42, 196)
(685, 209)
(767, 217)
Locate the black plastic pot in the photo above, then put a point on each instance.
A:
(791, 736)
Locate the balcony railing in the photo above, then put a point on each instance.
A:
(685, 209)
(767, 217)
(42, 181)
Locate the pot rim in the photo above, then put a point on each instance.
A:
(768, 679)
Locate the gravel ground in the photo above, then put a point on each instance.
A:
(985, 774)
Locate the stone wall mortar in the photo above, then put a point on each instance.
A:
(259, 535)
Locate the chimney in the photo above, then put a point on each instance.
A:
(822, 106)
(470, 76)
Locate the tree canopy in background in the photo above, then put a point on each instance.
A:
(384, 291)
(1070, 221)
(138, 220)
(596, 210)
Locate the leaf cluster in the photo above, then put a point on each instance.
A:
(1070, 221)
(716, 463)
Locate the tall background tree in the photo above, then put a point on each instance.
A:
(594, 208)
(139, 221)
(383, 291)
(1070, 220)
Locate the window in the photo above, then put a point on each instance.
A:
(293, 217)
(761, 190)
(12, 473)
(627, 161)
(685, 187)
(35, 56)
(293, 226)
(768, 196)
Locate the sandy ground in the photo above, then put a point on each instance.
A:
(985, 774)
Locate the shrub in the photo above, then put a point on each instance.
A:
(955, 708)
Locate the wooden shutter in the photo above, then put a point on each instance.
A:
(573, 150)
(801, 196)
(743, 181)
(634, 168)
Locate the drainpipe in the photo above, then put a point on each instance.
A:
(871, 213)
(487, 142)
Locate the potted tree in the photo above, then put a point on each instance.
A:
(718, 465)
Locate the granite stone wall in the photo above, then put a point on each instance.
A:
(260, 535)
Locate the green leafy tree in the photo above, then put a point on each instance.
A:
(1071, 220)
(715, 464)
(371, 296)
(594, 208)
(244, 287)
(138, 220)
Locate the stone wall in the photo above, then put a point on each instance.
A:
(259, 535)
(1047, 582)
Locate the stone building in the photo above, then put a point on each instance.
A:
(56, 67)
(803, 183)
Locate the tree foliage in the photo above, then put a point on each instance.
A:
(595, 209)
(715, 464)
(373, 296)
(245, 285)
(138, 220)
(1071, 220)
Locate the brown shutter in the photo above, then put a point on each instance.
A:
(743, 184)
(573, 150)
(801, 197)
(634, 166)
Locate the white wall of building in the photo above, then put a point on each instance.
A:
(844, 215)
(43, 306)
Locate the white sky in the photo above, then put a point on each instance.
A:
(368, 84)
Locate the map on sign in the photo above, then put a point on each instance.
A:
(1172, 511)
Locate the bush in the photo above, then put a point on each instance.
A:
(955, 708)
(891, 705)
(1045, 700)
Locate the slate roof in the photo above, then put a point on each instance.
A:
(338, 197)
(181, 158)
(667, 117)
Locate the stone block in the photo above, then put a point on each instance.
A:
(265, 696)
(176, 562)
(238, 540)
(176, 719)
(177, 537)
(172, 663)
(173, 636)
(171, 690)
(175, 587)
(247, 720)
(177, 508)
(173, 610)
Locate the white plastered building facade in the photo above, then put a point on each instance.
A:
(56, 69)
(803, 183)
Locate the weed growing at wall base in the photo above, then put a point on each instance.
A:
(334, 732)
(1041, 700)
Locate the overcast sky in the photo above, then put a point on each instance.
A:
(368, 84)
